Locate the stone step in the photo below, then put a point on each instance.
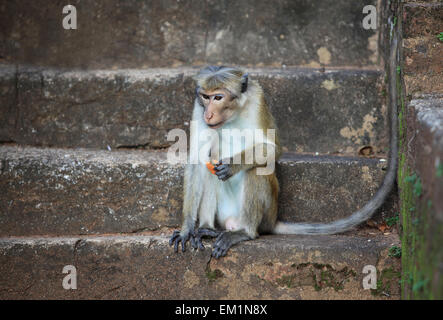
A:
(134, 33)
(71, 192)
(127, 267)
(335, 111)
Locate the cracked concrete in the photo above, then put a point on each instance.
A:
(137, 108)
(128, 268)
(140, 34)
(59, 191)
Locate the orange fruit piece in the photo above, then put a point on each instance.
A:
(211, 166)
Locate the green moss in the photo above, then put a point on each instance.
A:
(330, 278)
(317, 287)
(421, 235)
(385, 280)
(395, 252)
(318, 275)
(286, 281)
(421, 239)
(213, 275)
(439, 171)
(391, 221)
(417, 188)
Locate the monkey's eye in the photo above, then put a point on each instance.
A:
(218, 97)
(204, 96)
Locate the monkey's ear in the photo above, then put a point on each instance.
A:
(244, 83)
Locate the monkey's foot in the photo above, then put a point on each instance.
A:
(226, 240)
(210, 233)
(202, 233)
(222, 245)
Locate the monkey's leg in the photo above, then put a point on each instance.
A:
(193, 191)
(257, 197)
(207, 210)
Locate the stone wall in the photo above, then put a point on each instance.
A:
(420, 174)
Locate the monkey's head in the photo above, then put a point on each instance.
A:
(218, 92)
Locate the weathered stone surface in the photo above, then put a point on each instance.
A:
(337, 111)
(422, 51)
(271, 267)
(101, 109)
(325, 188)
(421, 20)
(8, 102)
(327, 112)
(149, 33)
(426, 142)
(421, 205)
(59, 192)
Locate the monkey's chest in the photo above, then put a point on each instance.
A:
(232, 141)
(230, 198)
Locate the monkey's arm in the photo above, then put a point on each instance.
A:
(246, 160)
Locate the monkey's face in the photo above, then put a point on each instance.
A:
(219, 107)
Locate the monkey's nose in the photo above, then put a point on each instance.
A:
(209, 115)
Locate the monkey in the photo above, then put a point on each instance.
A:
(235, 198)
(234, 203)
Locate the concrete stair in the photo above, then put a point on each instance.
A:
(145, 267)
(141, 34)
(326, 111)
(83, 121)
(50, 191)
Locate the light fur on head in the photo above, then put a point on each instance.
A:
(212, 78)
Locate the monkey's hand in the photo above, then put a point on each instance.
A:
(178, 236)
(224, 169)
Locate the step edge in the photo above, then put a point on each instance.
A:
(145, 157)
(152, 73)
(6, 242)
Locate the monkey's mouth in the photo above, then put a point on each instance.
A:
(215, 126)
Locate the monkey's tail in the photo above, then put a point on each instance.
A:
(368, 210)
